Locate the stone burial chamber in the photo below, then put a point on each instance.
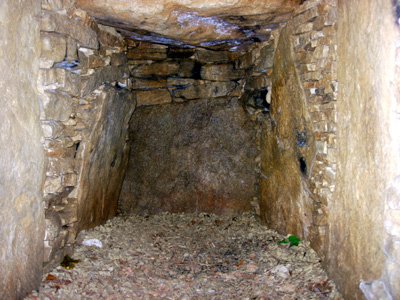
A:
(285, 108)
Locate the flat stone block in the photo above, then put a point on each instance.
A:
(54, 46)
(152, 97)
(54, 22)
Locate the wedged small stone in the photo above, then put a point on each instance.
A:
(245, 61)
(54, 22)
(209, 56)
(118, 59)
(54, 46)
(102, 75)
(55, 105)
(186, 68)
(61, 79)
(152, 97)
(221, 72)
(69, 213)
(53, 225)
(52, 185)
(52, 129)
(72, 49)
(108, 37)
(90, 59)
(69, 179)
(58, 166)
(267, 59)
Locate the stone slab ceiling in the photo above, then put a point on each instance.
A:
(216, 24)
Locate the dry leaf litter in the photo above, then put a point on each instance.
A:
(188, 256)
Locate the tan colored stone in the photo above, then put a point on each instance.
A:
(161, 69)
(209, 56)
(89, 59)
(287, 148)
(55, 105)
(180, 82)
(138, 84)
(107, 74)
(118, 59)
(108, 37)
(52, 185)
(69, 213)
(59, 166)
(207, 90)
(54, 46)
(57, 4)
(104, 155)
(145, 54)
(72, 49)
(54, 22)
(221, 72)
(152, 97)
(61, 79)
(193, 22)
(186, 68)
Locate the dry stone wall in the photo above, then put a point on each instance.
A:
(302, 129)
(85, 109)
(193, 143)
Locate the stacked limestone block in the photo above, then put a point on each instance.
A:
(298, 160)
(314, 37)
(82, 70)
(163, 74)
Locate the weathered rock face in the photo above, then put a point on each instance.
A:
(78, 58)
(194, 156)
(206, 23)
(368, 153)
(288, 148)
(104, 152)
(22, 159)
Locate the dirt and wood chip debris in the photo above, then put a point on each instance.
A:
(188, 256)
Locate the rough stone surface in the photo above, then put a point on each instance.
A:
(22, 160)
(206, 90)
(104, 152)
(54, 22)
(152, 97)
(54, 46)
(55, 105)
(288, 149)
(194, 156)
(366, 159)
(198, 22)
(221, 72)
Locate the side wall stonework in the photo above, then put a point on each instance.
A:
(85, 109)
(302, 128)
(365, 216)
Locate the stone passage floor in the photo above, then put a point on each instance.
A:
(188, 256)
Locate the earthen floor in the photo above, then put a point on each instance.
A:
(188, 256)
